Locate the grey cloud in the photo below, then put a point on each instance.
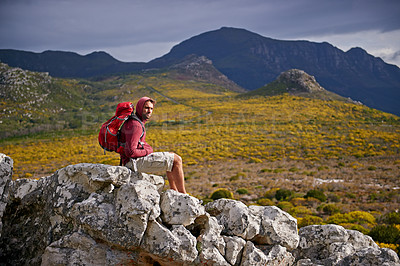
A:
(95, 24)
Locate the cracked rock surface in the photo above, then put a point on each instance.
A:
(95, 214)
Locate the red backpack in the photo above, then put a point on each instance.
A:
(110, 130)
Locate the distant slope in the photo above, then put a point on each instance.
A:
(252, 61)
(298, 83)
(35, 102)
(201, 69)
(67, 64)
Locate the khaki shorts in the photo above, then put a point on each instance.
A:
(154, 162)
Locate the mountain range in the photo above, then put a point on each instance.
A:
(248, 59)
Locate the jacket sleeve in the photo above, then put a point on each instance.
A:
(133, 149)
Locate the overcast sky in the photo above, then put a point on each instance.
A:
(141, 30)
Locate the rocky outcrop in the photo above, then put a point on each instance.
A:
(95, 214)
(201, 68)
(297, 80)
(298, 83)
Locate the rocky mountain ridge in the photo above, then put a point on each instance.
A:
(95, 214)
(252, 60)
(249, 60)
(67, 64)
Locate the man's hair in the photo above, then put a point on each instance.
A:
(152, 101)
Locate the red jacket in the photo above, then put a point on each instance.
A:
(130, 135)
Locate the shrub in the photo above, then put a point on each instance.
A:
(234, 178)
(270, 194)
(318, 194)
(266, 170)
(350, 195)
(279, 170)
(390, 218)
(206, 200)
(242, 191)
(385, 233)
(320, 168)
(255, 160)
(356, 217)
(265, 202)
(285, 206)
(329, 209)
(309, 220)
(300, 211)
(283, 194)
(312, 202)
(357, 227)
(333, 197)
(298, 201)
(238, 176)
(221, 193)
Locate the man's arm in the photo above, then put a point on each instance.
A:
(133, 149)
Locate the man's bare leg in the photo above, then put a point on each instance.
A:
(176, 177)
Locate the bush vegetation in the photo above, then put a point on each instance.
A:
(221, 193)
(283, 194)
(317, 194)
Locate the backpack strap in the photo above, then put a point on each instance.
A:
(132, 116)
(143, 129)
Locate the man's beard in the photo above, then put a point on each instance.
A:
(146, 116)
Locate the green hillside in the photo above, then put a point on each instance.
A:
(35, 102)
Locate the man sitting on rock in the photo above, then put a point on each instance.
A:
(139, 156)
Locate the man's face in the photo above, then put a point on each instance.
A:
(147, 110)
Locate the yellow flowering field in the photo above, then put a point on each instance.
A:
(225, 127)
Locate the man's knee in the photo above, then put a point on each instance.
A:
(177, 159)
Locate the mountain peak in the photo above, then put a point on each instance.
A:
(100, 54)
(297, 80)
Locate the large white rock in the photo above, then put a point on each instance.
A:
(81, 249)
(370, 257)
(330, 244)
(262, 225)
(156, 180)
(211, 244)
(177, 245)
(95, 176)
(6, 168)
(138, 198)
(179, 208)
(253, 256)
(275, 256)
(234, 249)
(235, 218)
(277, 227)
